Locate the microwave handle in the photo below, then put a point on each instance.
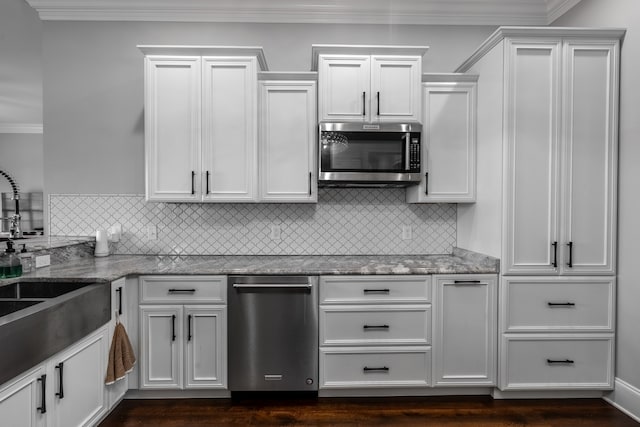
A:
(407, 154)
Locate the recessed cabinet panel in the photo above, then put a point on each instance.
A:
(20, 398)
(160, 352)
(532, 150)
(393, 89)
(591, 156)
(204, 356)
(344, 88)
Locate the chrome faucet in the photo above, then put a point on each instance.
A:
(15, 231)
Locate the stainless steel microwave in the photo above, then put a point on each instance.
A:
(369, 155)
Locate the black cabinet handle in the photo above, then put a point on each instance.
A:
(380, 369)
(43, 386)
(173, 327)
(60, 367)
(570, 263)
(561, 304)
(426, 183)
(376, 291)
(207, 179)
(189, 327)
(378, 103)
(119, 292)
(467, 282)
(366, 327)
(363, 102)
(181, 291)
(309, 183)
(560, 362)
(193, 182)
(555, 254)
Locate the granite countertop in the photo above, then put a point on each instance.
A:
(116, 266)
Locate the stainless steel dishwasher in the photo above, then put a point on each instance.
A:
(273, 333)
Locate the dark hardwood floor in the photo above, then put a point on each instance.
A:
(405, 411)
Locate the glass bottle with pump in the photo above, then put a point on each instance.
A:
(10, 263)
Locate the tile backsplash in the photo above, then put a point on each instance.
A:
(344, 221)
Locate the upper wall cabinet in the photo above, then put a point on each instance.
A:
(201, 123)
(448, 140)
(287, 140)
(368, 83)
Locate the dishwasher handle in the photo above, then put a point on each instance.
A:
(272, 286)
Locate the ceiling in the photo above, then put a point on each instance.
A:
(424, 12)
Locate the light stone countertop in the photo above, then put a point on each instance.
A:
(116, 266)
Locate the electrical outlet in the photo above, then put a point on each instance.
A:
(274, 232)
(152, 232)
(407, 232)
(43, 261)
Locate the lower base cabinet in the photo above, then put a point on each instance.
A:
(67, 390)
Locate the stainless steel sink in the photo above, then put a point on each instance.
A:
(39, 319)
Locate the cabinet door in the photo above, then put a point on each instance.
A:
(448, 144)
(161, 347)
(464, 339)
(395, 88)
(287, 141)
(344, 88)
(21, 400)
(206, 350)
(531, 153)
(78, 373)
(116, 391)
(229, 135)
(590, 172)
(172, 128)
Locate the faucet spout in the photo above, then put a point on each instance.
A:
(15, 230)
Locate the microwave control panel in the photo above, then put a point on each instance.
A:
(414, 155)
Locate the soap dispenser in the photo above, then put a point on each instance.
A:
(10, 263)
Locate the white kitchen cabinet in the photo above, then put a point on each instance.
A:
(287, 142)
(465, 330)
(22, 400)
(183, 345)
(77, 376)
(369, 84)
(375, 332)
(561, 157)
(448, 140)
(201, 123)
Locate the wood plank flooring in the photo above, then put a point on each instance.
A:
(406, 411)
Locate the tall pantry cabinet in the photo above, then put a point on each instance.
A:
(546, 202)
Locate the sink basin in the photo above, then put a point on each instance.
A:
(23, 290)
(39, 319)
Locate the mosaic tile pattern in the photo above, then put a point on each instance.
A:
(344, 221)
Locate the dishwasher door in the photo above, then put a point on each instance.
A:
(273, 333)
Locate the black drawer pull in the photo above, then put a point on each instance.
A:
(570, 263)
(560, 362)
(561, 304)
(376, 291)
(119, 291)
(173, 327)
(189, 317)
(380, 369)
(467, 282)
(43, 386)
(182, 291)
(375, 327)
(555, 254)
(60, 367)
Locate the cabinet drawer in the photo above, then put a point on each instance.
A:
(183, 289)
(559, 305)
(375, 289)
(557, 362)
(375, 325)
(357, 367)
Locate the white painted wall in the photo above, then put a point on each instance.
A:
(626, 14)
(93, 84)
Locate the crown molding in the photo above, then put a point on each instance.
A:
(398, 12)
(21, 127)
(256, 51)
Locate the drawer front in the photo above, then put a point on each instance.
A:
(558, 362)
(375, 325)
(543, 304)
(375, 289)
(357, 367)
(183, 289)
